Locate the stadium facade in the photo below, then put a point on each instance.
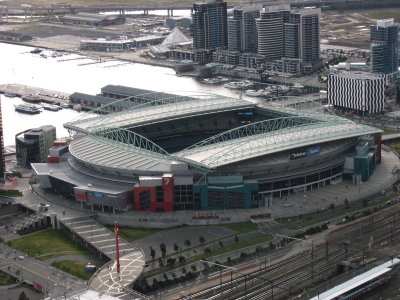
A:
(155, 151)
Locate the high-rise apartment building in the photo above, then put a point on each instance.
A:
(270, 31)
(242, 30)
(384, 47)
(290, 38)
(210, 28)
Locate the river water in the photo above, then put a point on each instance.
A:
(71, 73)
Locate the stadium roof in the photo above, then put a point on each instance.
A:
(298, 124)
(267, 137)
(168, 108)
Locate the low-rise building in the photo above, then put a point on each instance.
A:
(32, 146)
(356, 92)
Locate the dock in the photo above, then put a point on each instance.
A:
(47, 96)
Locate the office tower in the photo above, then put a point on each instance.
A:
(384, 47)
(210, 29)
(242, 30)
(270, 31)
(361, 91)
(2, 152)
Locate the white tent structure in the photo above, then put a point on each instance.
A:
(176, 37)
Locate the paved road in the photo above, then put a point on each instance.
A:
(56, 282)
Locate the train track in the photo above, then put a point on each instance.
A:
(301, 270)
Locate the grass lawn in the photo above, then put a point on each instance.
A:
(76, 268)
(45, 242)
(395, 147)
(389, 131)
(240, 228)
(132, 234)
(45, 257)
(5, 279)
(224, 249)
(384, 13)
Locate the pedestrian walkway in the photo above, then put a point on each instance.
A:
(383, 178)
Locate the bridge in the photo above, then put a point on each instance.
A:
(50, 10)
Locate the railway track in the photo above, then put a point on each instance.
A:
(301, 270)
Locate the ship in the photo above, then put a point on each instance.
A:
(27, 109)
(52, 107)
(31, 99)
(10, 95)
(36, 50)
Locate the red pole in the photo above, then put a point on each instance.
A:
(116, 245)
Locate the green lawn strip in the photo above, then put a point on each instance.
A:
(222, 250)
(242, 227)
(292, 219)
(6, 279)
(10, 193)
(75, 268)
(132, 234)
(46, 257)
(49, 241)
(387, 131)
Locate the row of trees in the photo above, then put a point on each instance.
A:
(163, 247)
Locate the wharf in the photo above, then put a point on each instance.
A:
(47, 96)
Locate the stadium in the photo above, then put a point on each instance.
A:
(161, 152)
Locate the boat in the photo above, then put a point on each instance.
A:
(77, 107)
(51, 107)
(27, 109)
(252, 93)
(31, 99)
(239, 84)
(10, 95)
(36, 50)
(64, 105)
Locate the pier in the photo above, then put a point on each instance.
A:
(47, 96)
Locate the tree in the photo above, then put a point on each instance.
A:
(176, 247)
(171, 261)
(187, 243)
(202, 240)
(207, 250)
(160, 262)
(152, 252)
(163, 249)
(182, 259)
(193, 267)
(22, 296)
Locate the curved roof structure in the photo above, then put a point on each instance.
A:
(296, 122)
(160, 110)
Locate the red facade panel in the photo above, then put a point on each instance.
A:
(53, 159)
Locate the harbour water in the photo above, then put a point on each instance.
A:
(69, 74)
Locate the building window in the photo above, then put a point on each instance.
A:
(144, 200)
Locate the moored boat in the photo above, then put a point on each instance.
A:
(51, 107)
(10, 95)
(27, 109)
(31, 99)
(36, 50)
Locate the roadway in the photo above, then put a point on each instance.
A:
(57, 283)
